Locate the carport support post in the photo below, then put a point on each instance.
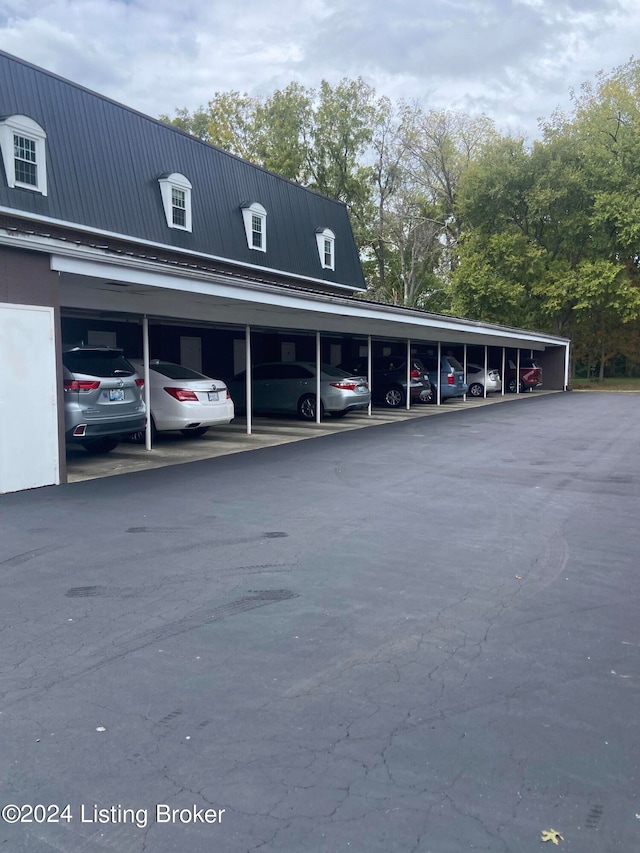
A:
(486, 369)
(518, 370)
(439, 369)
(369, 362)
(566, 368)
(318, 399)
(408, 402)
(247, 344)
(147, 380)
(504, 367)
(464, 367)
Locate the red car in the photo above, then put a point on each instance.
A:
(530, 375)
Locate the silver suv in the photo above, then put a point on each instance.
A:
(102, 398)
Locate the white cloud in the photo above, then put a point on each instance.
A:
(515, 60)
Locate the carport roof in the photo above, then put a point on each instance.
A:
(91, 279)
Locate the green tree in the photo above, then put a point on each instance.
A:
(282, 128)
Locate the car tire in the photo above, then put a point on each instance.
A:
(98, 446)
(476, 390)
(196, 432)
(511, 387)
(307, 408)
(394, 397)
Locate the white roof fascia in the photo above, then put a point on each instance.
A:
(136, 271)
(188, 253)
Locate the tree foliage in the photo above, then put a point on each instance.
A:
(452, 216)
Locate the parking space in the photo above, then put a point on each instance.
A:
(173, 449)
(420, 638)
(278, 358)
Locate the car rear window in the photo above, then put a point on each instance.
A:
(176, 371)
(332, 370)
(454, 362)
(95, 363)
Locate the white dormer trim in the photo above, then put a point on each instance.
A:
(177, 205)
(23, 145)
(326, 241)
(255, 225)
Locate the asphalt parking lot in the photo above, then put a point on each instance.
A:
(418, 637)
(171, 448)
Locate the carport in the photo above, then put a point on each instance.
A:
(138, 293)
(127, 223)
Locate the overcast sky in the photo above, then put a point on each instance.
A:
(513, 60)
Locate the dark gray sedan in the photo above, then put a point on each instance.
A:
(289, 387)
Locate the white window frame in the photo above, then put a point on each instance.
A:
(326, 236)
(169, 183)
(249, 211)
(20, 125)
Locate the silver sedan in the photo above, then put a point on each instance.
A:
(478, 380)
(289, 387)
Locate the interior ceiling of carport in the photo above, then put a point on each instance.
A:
(109, 289)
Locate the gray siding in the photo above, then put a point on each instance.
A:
(103, 165)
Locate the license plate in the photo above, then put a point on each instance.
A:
(213, 395)
(361, 389)
(116, 395)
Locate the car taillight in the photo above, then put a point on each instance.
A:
(140, 383)
(344, 385)
(451, 379)
(80, 385)
(228, 395)
(182, 394)
(415, 374)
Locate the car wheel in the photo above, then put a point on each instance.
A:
(512, 386)
(100, 445)
(394, 398)
(196, 432)
(307, 407)
(476, 389)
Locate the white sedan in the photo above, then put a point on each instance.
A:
(476, 380)
(183, 399)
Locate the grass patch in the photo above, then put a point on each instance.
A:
(621, 383)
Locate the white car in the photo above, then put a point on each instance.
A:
(183, 399)
(477, 381)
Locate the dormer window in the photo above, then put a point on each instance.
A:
(255, 225)
(22, 142)
(326, 240)
(176, 200)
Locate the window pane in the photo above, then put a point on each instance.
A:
(179, 207)
(25, 160)
(256, 231)
(176, 371)
(98, 363)
(24, 148)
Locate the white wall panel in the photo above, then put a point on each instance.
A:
(29, 454)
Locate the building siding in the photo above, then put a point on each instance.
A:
(103, 165)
